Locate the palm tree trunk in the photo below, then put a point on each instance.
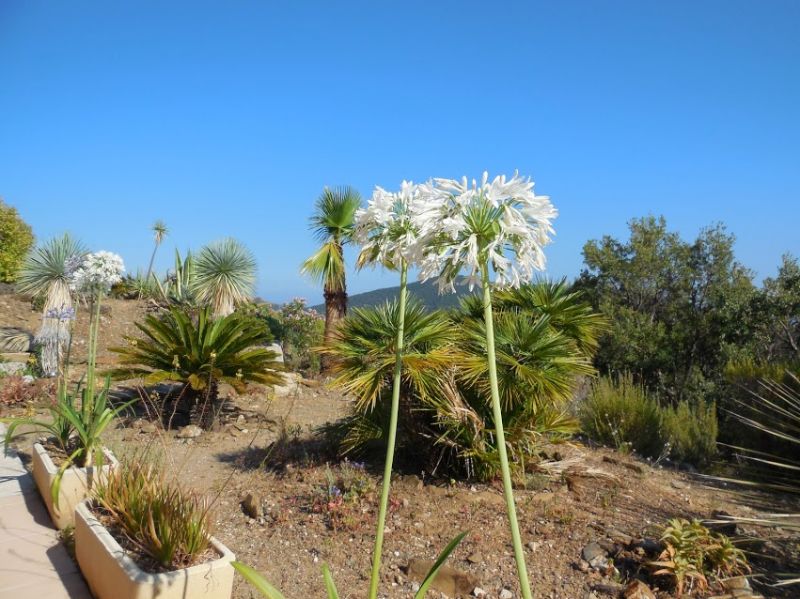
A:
(335, 311)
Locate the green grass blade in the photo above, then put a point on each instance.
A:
(329, 585)
(258, 581)
(423, 588)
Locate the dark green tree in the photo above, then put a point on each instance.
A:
(675, 307)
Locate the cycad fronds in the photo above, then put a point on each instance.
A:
(198, 353)
(224, 275)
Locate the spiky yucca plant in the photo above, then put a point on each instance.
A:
(46, 272)
(199, 352)
(224, 276)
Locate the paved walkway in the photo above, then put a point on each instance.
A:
(33, 563)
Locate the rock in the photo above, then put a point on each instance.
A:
(608, 588)
(736, 583)
(276, 347)
(638, 590)
(448, 580)
(592, 551)
(138, 423)
(506, 594)
(478, 592)
(148, 427)
(648, 545)
(12, 367)
(678, 484)
(475, 558)
(190, 431)
(534, 545)
(240, 419)
(27, 379)
(582, 566)
(251, 506)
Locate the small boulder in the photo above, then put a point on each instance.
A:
(638, 590)
(506, 594)
(251, 506)
(448, 580)
(190, 431)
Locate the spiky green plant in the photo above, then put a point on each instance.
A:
(224, 276)
(332, 225)
(199, 352)
(177, 288)
(46, 272)
(163, 520)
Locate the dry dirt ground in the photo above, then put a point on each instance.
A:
(297, 522)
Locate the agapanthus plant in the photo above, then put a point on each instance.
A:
(389, 236)
(499, 225)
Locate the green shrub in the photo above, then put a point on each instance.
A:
(692, 432)
(619, 413)
(16, 239)
(159, 518)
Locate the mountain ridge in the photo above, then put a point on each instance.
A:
(427, 293)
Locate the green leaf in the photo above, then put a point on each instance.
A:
(423, 588)
(331, 588)
(258, 581)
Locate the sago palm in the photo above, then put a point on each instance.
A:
(199, 352)
(46, 273)
(224, 276)
(332, 224)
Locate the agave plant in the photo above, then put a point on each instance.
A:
(199, 352)
(224, 276)
(332, 224)
(47, 272)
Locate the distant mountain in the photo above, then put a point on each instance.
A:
(426, 292)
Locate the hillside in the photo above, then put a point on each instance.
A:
(426, 292)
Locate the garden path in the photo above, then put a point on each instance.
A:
(33, 563)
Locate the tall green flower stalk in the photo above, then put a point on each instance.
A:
(474, 228)
(389, 238)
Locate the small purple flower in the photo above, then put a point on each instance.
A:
(334, 491)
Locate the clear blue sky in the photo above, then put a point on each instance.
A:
(228, 118)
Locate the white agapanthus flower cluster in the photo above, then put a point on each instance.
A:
(462, 226)
(97, 272)
(386, 227)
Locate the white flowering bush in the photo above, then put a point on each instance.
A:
(500, 223)
(97, 272)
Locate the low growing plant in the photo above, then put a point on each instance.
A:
(160, 519)
(692, 553)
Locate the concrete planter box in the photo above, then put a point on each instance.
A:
(112, 574)
(75, 484)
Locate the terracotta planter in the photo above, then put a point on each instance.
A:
(75, 484)
(112, 574)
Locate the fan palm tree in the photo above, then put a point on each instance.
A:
(46, 273)
(332, 224)
(160, 231)
(224, 275)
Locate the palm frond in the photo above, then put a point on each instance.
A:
(47, 267)
(334, 213)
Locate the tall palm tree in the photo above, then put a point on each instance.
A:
(332, 224)
(46, 272)
(224, 276)
(160, 231)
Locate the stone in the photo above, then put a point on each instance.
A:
(638, 590)
(478, 592)
(475, 558)
(190, 431)
(679, 484)
(735, 583)
(12, 367)
(648, 545)
(448, 580)
(148, 427)
(276, 347)
(534, 545)
(27, 379)
(251, 506)
(592, 551)
(506, 594)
